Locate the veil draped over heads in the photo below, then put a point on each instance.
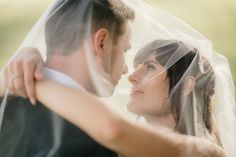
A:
(191, 82)
(200, 95)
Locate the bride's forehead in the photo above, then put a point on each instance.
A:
(143, 57)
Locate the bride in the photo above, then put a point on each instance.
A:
(173, 85)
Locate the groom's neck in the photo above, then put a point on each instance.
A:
(72, 65)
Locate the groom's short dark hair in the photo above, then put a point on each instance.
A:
(67, 24)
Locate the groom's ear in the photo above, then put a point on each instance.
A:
(100, 41)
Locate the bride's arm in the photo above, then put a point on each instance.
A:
(110, 129)
(2, 87)
(26, 66)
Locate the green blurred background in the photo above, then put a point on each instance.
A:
(216, 19)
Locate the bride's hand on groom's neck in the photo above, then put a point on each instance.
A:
(21, 73)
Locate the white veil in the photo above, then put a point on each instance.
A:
(171, 41)
(157, 30)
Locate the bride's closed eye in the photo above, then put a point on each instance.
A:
(150, 67)
(153, 66)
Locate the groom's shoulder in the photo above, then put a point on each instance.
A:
(14, 101)
(21, 123)
(20, 113)
(19, 105)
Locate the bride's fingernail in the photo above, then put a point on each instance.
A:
(33, 101)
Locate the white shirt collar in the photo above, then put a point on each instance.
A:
(61, 78)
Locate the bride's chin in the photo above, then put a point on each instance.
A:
(131, 106)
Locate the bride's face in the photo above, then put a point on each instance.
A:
(150, 88)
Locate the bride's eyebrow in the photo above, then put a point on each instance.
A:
(151, 61)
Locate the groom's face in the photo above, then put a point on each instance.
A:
(119, 48)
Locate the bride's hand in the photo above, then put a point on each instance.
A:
(22, 71)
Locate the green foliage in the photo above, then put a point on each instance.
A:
(16, 20)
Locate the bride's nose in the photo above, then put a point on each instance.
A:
(134, 78)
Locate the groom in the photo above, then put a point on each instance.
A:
(67, 66)
(29, 131)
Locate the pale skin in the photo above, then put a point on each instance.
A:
(108, 128)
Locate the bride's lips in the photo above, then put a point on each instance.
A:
(136, 91)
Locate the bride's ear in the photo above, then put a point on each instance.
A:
(100, 40)
(189, 85)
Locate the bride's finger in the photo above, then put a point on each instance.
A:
(10, 77)
(19, 79)
(29, 68)
(39, 71)
(5, 77)
(6, 80)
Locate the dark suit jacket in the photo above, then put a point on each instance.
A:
(27, 131)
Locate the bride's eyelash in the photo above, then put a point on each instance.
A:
(150, 67)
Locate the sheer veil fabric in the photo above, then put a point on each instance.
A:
(206, 110)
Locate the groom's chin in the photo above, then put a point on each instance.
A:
(105, 90)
